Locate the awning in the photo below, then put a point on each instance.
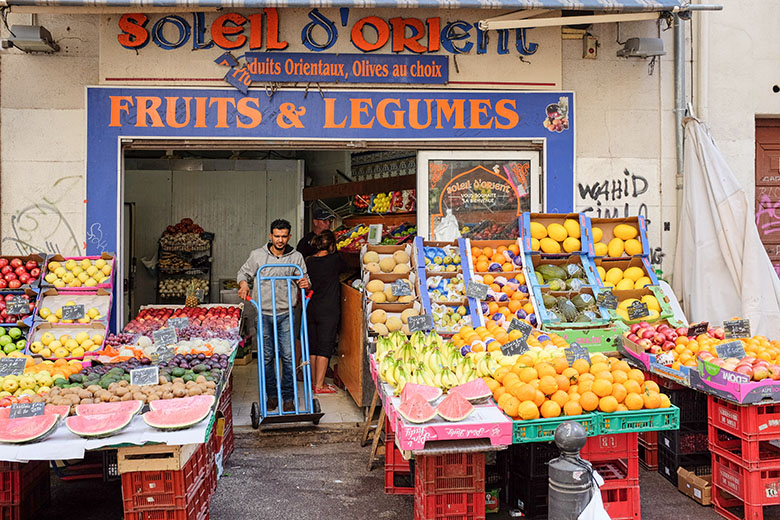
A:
(566, 5)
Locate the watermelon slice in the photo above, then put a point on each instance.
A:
(475, 391)
(416, 409)
(169, 404)
(430, 393)
(132, 407)
(94, 426)
(49, 409)
(27, 429)
(454, 407)
(179, 414)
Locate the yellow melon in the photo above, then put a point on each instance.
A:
(614, 275)
(624, 285)
(571, 245)
(378, 316)
(634, 273)
(615, 248)
(633, 247)
(625, 231)
(370, 257)
(602, 272)
(557, 232)
(597, 234)
(572, 227)
(375, 285)
(652, 302)
(535, 244)
(548, 245)
(538, 231)
(600, 248)
(387, 264)
(642, 281)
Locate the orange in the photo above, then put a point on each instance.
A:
(608, 404)
(487, 251)
(563, 382)
(637, 375)
(605, 374)
(499, 374)
(492, 383)
(488, 279)
(652, 400)
(581, 366)
(622, 366)
(514, 306)
(548, 385)
(665, 402)
(511, 405)
(619, 392)
(587, 377)
(545, 369)
(597, 368)
(622, 408)
(560, 364)
(602, 387)
(501, 249)
(572, 374)
(550, 409)
(585, 386)
(572, 408)
(652, 386)
(560, 397)
(589, 401)
(515, 249)
(475, 251)
(540, 398)
(574, 396)
(510, 379)
(525, 392)
(508, 267)
(528, 374)
(482, 266)
(618, 376)
(498, 392)
(632, 387)
(528, 410)
(504, 399)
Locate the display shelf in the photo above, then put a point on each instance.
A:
(347, 189)
(194, 272)
(388, 219)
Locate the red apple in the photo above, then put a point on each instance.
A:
(668, 345)
(15, 263)
(655, 349)
(35, 272)
(24, 278)
(14, 284)
(31, 264)
(681, 331)
(635, 327)
(774, 372)
(744, 369)
(3, 283)
(760, 372)
(645, 343)
(10, 276)
(706, 356)
(633, 337)
(659, 339)
(3, 262)
(647, 334)
(718, 333)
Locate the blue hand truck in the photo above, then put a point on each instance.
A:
(309, 409)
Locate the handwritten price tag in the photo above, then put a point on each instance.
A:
(12, 366)
(422, 323)
(145, 376)
(733, 349)
(72, 312)
(401, 288)
(26, 410)
(638, 310)
(698, 328)
(178, 323)
(737, 328)
(607, 299)
(476, 290)
(518, 346)
(164, 337)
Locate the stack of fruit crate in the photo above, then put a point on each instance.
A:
(686, 447)
(616, 458)
(745, 463)
(451, 485)
(398, 476)
(648, 450)
(24, 489)
(225, 407)
(526, 484)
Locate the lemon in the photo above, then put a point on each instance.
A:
(644, 280)
(535, 244)
(602, 272)
(625, 231)
(81, 337)
(77, 352)
(47, 338)
(614, 275)
(557, 232)
(51, 318)
(597, 234)
(652, 302)
(633, 247)
(548, 245)
(600, 248)
(624, 285)
(634, 273)
(615, 248)
(571, 245)
(572, 227)
(538, 231)
(53, 266)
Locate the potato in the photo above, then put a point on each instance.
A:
(167, 395)
(195, 390)
(94, 389)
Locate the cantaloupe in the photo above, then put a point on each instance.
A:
(557, 232)
(538, 231)
(633, 247)
(401, 257)
(534, 244)
(401, 269)
(572, 227)
(391, 298)
(378, 316)
(600, 248)
(387, 264)
(370, 257)
(634, 273)
(375, 285)
(406, 313)
(373, 268)
(378, 297)
(406, 299)
(405, 330)
(571, 245)
(597, 234)
(394, 323)
(380, 328)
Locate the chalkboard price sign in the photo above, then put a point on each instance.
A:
(145, 376)
(522, 326)
(737, 329)
(518, 346)
(607, 299)
(72, 312)
(698, 328)
(476, 290)
(17, 305)
(401, 288)
(733, 349)
(164, 337)
(422, 323)
(26, 410)
(576, 351)
(638, 310)
(178, 323)
(12, 366)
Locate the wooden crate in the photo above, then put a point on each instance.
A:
(154, 457)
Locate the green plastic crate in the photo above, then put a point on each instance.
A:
(539, 430)
(639, 420)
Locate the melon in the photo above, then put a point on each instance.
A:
(393, 323)
(172, 404)
(406, 299)
(475, 391)
(401, 269)
(27, 429)
(132, 407)
(378, 316)
(49, 409)
(95, 426)
(380, 328)
(407, 313)
(387, 264)
(375, 286)
(378, 297)
(416, 409)
(178, 414)
(389, 296)
(454, 407)
(373, 267)
(370, 257)
(401, 257)
(430, 393)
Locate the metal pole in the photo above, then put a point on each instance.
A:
(679, 105)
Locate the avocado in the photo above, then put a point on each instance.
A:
(178, 372)
(76, 378)
(199, 368)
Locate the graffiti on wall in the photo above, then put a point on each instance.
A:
(41, 227)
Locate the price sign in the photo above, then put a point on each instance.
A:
(607, 299)
(12, 366)
(638, 310)
(200, 295)
(374, 234)
(72, 312)
(518, 346)
(733, 349)
(698, 328)
(422, 323)
(178, 323)
(476, 290)
(737, 328)
(17, 305)
(164, 337)
(401, 288)
(26, 410)
(145, 376)
(522, 326)
(576, 351)
(207, 236)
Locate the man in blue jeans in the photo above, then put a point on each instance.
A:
(275, 252)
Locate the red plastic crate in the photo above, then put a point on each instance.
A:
(760, 487)
(648, 457)
(746, 422)
(648, 439)
(450, 473)
(17, 483)
(618, 473)
(196, 509)
(611, 447)
(750, 454)
(732, 508)
(226, 396)
(37, 497)
(228, 444)
(449, 506)
(622, 503)
(396, 467)
(663, 382)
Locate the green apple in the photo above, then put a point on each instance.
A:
(10, 347)
(15, 333)
(5, 339)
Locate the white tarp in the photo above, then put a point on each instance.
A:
(721, 269)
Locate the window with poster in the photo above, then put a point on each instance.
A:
(477, 195)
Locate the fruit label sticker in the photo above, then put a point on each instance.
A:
(607, 300)
(476, 290)
(522, 326)
(178, 323)
(72, 312)
(164, 337)
(733, 349)
(737, 329)
(12, 366)
(576, 351)
(401, 288)
(518, 346)
(422, 323)
(26, 410)
(374, 234)
(698, 328)
(18, 305)
(145, 376)
(638, 310)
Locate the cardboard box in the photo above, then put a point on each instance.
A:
(546, 219)
(699, 488)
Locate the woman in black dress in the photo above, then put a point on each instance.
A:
(324, 309)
